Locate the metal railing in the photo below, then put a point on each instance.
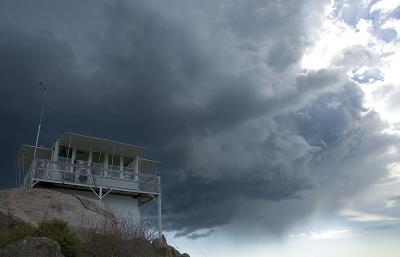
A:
(93, 175)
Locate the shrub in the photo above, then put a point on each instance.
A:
(17, 232)
(7, 222)
(127, 238)
(12, 230)
(59, 231)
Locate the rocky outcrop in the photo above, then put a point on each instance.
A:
(162, 249)
(19, 206)
(8, 222)
(34, 205)
(32, 247)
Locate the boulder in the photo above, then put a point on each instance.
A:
(32, 247)
(8, 222)
(34, 205)
(162, 249)
(159, 242)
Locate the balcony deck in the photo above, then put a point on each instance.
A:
(91, 177)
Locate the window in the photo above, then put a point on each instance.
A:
(82, 155)
(98, 157)
(128, 161)
(64, 151)
(113, 160)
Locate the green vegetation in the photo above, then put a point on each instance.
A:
(56, 229)
(123, 238)
(15, 231)
(59, 231)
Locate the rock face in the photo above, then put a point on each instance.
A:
(34, 205)
(32, 247)
(8, 223)
(162, 249)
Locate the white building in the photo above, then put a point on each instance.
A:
(110, 171)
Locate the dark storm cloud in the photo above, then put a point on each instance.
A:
(25, 60)
(195, 236)
(212, 89)
(334, 146)
(210, 204)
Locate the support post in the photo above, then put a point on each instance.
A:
(90, 160)
(33, 172)
(121, 167)
(159, 210)
(75, 177)
(105, 165)
(136, 168)
(100, 193)
(23, 167)
(56, 151)
(55, 154)
(73, 158)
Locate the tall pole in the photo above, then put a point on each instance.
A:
(40, 125)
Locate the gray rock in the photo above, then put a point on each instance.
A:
(162, 249)
(159, 242)
(8, 222)
(35, 205)
(32, 247)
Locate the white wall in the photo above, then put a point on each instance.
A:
(121, 204)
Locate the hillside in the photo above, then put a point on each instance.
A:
(42, 222)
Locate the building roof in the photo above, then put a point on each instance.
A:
(89, 143)
(108, 146)
(99, 145)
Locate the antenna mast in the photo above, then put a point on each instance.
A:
(40, 121)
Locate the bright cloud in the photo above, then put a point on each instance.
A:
(363, 48)
(325, 234)
(331, 234)
(385, 6)
(366, 217)
(394, 169)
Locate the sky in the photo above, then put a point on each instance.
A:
(276, 123)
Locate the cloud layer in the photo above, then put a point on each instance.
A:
(216, 90)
